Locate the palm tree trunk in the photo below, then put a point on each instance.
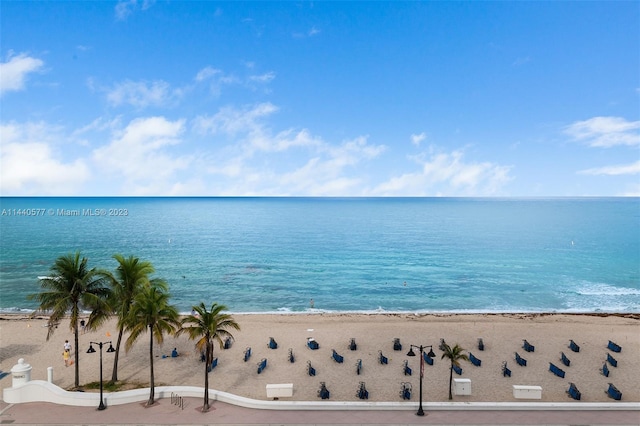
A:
(75, 342)
(114, 373)
(151, 382)
(205, 407)
(450, 381)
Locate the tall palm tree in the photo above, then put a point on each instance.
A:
(207, 326)
(130, 277)
(152, 312)
(70, 288)
(454, 354)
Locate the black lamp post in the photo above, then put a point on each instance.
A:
(92, 350)
(430, 355)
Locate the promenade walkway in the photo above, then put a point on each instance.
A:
(166, 413)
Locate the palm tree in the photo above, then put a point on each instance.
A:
(454, 354)
(70, 288)
(131, 276)
(208, 326)
(152, 312)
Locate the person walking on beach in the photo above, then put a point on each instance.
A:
(66, 356)
(67, 346)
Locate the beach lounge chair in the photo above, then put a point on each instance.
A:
(564, 359)
(528, 346)
(227, 343)
(556, 370)
(213, 365)
(310, 370)
(406, 368)
(337, 358)
(262, 365)
(427, 358)
(405, 390)
(292, 359)
(480, 344)
(312, 344)
(247, 354)
(613, 347)
(396, 344)
(272, 343)
(612, 360)
(441, 346)
(605, 370)
(358, 366)
(521, 361)
(352, 344)
(614, 393)
(203, 357)
(383, 359)
(573, 346)
(475, 361)
(458, 370)
(323, 392)
(362, 393)
(505, 370)
(574, 392)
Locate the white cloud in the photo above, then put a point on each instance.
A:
(142, 94)
(124, 8)
(30, 165)
(447, 174)
(233, 121)
(13, 73)
(621, 169)
(605, 132)
(264, 78)
(416, 139)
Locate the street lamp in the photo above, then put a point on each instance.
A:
(92, 350)
(430, 355)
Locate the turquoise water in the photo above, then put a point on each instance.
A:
(347, 254)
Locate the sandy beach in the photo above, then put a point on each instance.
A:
(502, 334)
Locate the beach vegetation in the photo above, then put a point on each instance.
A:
(206, 327)
(151, 312)
(71, 288)
(454, 354)
(131, 275)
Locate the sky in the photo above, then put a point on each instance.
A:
(164, 98)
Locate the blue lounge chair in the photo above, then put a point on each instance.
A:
(613, 347)
(247, 354)
(405, 391)
(427, 359)
(605, 370)
(292, 359)
(396, 344)
(363, 393)
(310, 369)
(312, 344)
(574, 392)
(528, 346)
(573, 346)
(521, 361)
(383, 359)
(358, 366)
(352, 345)
(458, 370)
(227, 343)
(564, 359)
(337, 358)
(442, 344)
(556, 370)
(262, 365)
(480, 344)
(213, 365)
(272, 343)
(475, 361)
(505, 371)
(612, 360)
(323, 392)
(614, 393)
(406, 368)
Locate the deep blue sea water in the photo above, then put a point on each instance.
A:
(347, 254)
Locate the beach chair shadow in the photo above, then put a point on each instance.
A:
(405, 390)
(480, 344)
(291, 358)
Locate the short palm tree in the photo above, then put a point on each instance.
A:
(207, 326)
(454, 354)
(130, 277)
(70, 288)
(151, 312)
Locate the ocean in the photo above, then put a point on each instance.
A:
(342, 254)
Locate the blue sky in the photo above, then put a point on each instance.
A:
(320, 98)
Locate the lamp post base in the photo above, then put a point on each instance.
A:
(420, 412)
(101, 406)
